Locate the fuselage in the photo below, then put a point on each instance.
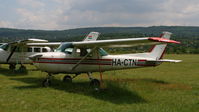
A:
(59, 62)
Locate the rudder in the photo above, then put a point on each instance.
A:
(158, 51)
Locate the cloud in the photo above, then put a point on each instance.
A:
(32, 3)
(6, 24)
(66, 14)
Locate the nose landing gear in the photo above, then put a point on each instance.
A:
(67, 79)
(47, 81)
(22, 68)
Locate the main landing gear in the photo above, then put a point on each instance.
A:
(94, 83)
(22, 68)
(68, 79)
(12, 67)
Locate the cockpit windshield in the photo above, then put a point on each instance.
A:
(65, 47)
(102, 52)
(4, 46)
(68, 48)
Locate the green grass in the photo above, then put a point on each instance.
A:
(170, 87)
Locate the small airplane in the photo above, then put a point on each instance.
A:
(89, 56)
(18, 52)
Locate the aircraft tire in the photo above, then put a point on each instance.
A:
(95, 83)
(22, 69)
(67, 79)
(46, 83)
(12, 66)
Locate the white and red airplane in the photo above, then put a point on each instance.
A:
(18, 52)
(88, 56)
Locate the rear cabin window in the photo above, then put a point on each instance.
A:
(37, 50)
(29, 49)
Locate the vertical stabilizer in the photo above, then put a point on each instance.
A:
(92, 36)
(158, 51)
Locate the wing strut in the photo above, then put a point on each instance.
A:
(83, 59)
(13, 50)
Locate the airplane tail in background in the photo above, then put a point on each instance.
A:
(157, 51)
(92, 36)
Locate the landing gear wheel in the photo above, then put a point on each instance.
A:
(67, 79)
(95, 83)
(22, 68)
(12, 66)
(46, 83)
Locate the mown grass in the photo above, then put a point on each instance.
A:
(170, 87)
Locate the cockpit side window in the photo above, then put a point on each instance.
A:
(29, 49)
(44, 50)
(66, 48)
(83, 52)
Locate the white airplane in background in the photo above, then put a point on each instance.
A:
(88, 56)
(18, 52)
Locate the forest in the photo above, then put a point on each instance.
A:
(187, 35)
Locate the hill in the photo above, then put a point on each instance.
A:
(189, 36)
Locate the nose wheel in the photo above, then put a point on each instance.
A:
(67, 79)
(47, 81)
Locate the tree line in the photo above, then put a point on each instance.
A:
(187, 35)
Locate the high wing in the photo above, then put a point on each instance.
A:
(92, 36)
(24, 42)
(50, 44)
(129, 42)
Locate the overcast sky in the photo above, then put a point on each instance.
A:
(67, 14)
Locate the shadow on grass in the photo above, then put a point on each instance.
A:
(148, 80)
(114, 92)
(8, 72)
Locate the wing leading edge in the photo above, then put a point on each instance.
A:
(130, 42)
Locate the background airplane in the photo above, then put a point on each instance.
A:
(18, 52)
(88, 56)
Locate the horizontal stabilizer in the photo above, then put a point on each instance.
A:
(165, 60)
(169, 60)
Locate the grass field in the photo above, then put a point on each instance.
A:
(170, 87)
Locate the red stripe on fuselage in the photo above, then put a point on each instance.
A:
(75, 59)
(142, 60)
(71, 63)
